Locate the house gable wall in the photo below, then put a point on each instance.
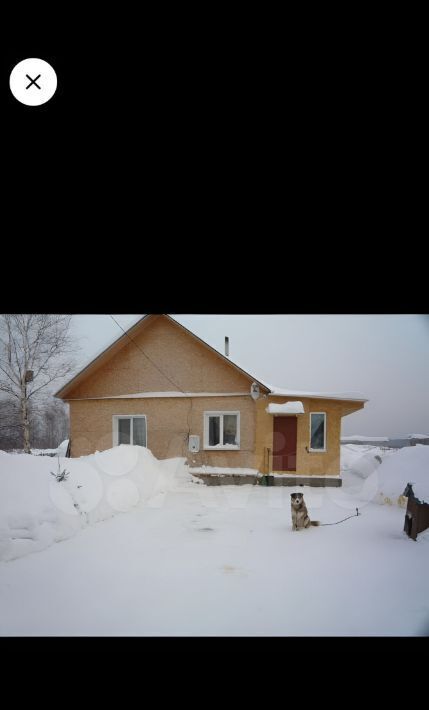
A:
(174, 354)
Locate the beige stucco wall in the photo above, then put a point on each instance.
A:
(307, 463)
(190, 365)
(169, 420)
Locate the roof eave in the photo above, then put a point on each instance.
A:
(62, 392)
(273, 393)
(67, 385)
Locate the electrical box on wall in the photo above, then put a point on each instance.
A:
(194, 443)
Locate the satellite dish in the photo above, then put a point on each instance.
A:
(254, 390)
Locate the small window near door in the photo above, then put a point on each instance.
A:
(130, 430)
(317, 431)
(221, 430)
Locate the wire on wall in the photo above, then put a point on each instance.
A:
(147, 356)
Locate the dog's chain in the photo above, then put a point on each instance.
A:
(341, 521)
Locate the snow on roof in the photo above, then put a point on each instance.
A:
(286, 408)
(350, 396)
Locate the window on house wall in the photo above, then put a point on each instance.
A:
(124, 431)
(318, 431)
(130, 430)
(222, 430)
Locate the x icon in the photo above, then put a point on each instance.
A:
(33, 81)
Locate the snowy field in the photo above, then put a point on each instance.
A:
(128, 545)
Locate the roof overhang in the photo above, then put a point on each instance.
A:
(343, 396)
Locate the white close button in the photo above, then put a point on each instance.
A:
(33, 82)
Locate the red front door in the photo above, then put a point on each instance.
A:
(284, 444)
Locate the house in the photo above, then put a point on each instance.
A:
(161, 386)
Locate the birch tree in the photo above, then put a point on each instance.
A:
(34, 353)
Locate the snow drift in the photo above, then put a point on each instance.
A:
(386, 473)
(362, 460)
(37, 510)
(409, 465)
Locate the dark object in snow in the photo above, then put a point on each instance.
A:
(60, 475)
(417, 515)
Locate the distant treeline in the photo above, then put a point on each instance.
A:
(49, 424)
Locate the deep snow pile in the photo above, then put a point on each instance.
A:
(362, 460)
(409, 465)
(384, 474)
(37, 510)
(61, 450)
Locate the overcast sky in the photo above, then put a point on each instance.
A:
(386, 357)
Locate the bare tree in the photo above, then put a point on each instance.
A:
(10, 424)
(34, 352)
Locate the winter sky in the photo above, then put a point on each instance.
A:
(385, 357)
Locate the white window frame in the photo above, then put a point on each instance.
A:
(319, 451)
(220, 414)
(115, 420)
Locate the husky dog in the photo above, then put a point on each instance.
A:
(299, 510)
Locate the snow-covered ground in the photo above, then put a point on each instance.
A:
(61, 450)
(384, 473)
(37, 510)
(146, 549)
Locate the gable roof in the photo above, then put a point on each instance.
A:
(117, 344)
